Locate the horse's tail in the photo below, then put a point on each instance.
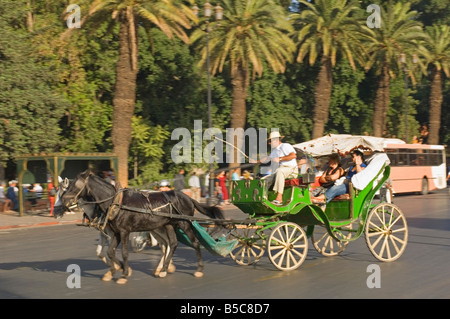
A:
(210, 211)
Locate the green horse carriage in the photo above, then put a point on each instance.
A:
(284, 230)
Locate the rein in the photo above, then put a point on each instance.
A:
(184, 217)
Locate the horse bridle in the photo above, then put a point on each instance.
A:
(74, 202)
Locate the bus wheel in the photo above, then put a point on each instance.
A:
(424, 190)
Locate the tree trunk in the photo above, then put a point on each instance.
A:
(381, 103)
(30, 18)
(238, 110)
(435, 106)
(124, 94)
(322, 96)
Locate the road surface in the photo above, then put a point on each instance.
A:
(39, 262)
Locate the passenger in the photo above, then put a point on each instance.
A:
(328, 178)
(337, 190)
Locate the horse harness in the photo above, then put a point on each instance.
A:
(116, 206)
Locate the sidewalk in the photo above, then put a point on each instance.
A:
(35, 219)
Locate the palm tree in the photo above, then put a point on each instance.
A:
(169, 16)
(435, 49)
(399, 33)
(253, 33)
(325, 29)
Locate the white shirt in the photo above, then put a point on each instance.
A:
(194, 181)
(281, 150)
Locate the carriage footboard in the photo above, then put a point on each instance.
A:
(220, 247)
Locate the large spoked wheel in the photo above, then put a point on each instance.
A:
(250, 247)
(327, 245)
(386, 232)
(287, 246)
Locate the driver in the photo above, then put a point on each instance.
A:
(284, 164)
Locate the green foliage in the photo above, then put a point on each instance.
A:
(30, 105)
(326, 28)
(57, 96)
(276, 102)
(396, 113)
(88, 79)
(146, 150)
(252, 33)
(348, 112)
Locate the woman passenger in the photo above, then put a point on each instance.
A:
(331, 174)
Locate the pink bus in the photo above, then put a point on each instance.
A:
(417, 167)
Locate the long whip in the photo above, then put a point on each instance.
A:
(231, 146)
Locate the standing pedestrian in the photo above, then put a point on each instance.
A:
(194, 185)
(223, 186)
(52, 194)
(179, 182)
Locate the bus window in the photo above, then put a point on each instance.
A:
(411, 163)
(403, 159)
(393, 156)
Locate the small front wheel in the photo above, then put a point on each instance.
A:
(327, 245)
(250, 247)
(287, 246)
(386, 232)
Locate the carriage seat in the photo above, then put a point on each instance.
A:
(293, 182)
(300, 182)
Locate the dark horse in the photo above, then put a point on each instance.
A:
(126, 214)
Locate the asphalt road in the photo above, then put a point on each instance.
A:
(36, 263)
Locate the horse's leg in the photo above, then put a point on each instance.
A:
(170, 249)
(124, 235)
(187, 228)
(103, 242)
(171, 268)
(158, 269)
(112, 261)
(161, 236)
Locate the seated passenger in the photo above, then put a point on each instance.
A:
(331, 174)
(337, 190)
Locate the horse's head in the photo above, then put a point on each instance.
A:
(88, 192)
(69, 193)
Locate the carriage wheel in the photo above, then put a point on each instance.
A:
(327, 245)
(386, 232)
(287, 246)
(139, 241)
(250, 247)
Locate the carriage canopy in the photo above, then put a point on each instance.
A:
(344, 144)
